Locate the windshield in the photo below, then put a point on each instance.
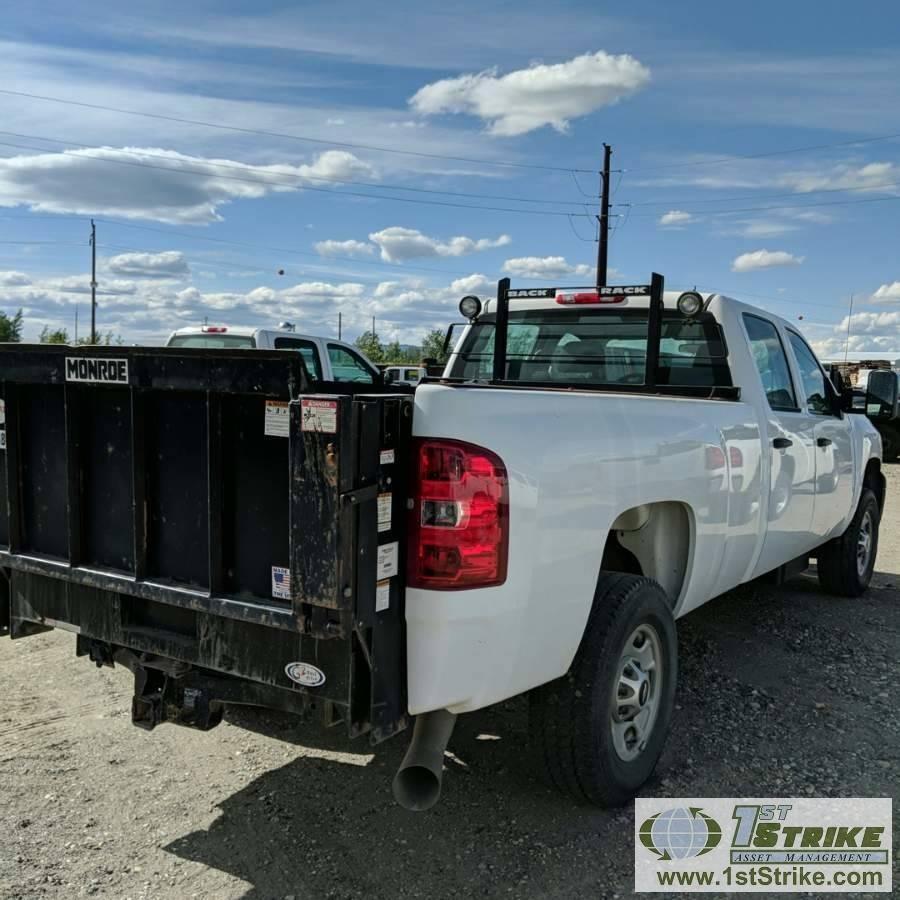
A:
(597, 347)
(227, 341)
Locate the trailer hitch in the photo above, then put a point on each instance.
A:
(160, 697)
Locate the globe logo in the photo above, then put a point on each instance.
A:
(681, 833)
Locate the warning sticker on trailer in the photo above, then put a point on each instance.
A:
(386, 457)
(387, 561)
(383, 595)
(384, 512)
(278, 419)
(281, 583)
(3, 413)
(2, 438)
(319, 415)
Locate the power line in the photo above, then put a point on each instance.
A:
(305, 187)
(288, 136)
(300, 179)
(731, 212)
(765, 154)
(683, 201)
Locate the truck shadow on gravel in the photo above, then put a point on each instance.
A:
(769, 703)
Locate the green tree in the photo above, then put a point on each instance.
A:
(11, 327)
(370, 345)
(393, 353)
(105, 340)
(433, 346)
(57, 336)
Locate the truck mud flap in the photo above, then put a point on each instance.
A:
(208, 508)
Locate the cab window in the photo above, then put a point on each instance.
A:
(212, 340)
(411, 375)
(771, 361)
(347, 366)
(307, 349)
(812, 376)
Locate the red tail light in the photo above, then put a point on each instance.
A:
(459, 520)
(715, 458)
(736, 457)
(214, 329)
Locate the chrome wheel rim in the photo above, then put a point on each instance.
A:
(636, 692)
(864, 540)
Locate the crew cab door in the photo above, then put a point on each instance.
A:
(834, 444)
(790, 440)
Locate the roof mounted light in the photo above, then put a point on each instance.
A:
(470, 307)
(689, 304)
(215, 329)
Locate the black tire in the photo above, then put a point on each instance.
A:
(571, 719)
(840, 572)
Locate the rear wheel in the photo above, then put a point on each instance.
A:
(846, 563)
(599, 730)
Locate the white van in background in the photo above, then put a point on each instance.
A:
(326, 359)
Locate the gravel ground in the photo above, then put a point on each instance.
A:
(783, 692)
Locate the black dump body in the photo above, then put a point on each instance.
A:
(213, 521)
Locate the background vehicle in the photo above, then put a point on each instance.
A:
(326, 359)
(410, 375)
(593, 465)
(883, 408)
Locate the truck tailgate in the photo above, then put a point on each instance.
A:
(211, 516)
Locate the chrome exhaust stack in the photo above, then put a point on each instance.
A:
(417, 784)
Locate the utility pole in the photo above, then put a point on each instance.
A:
(76, 323)
(339, 326)
(603, 219)
(93, 282)
(373, 326)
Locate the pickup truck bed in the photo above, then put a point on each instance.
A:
(208, 520)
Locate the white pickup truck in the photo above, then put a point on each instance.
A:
(592, 465)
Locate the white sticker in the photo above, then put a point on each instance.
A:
(319, 415)
(2, 438)
(305, 673)
(278, 419)
(386, 457)
(382, 595)
(384, 512)
(97, 371)
(387, 561)
(3, 414)
(281, 583)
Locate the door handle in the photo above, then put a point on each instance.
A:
(782, 443)
(823, 442)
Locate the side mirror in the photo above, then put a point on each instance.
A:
(851, 401)
(883, 395)
(389, 376)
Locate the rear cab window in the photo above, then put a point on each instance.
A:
(598, 347)
(217, 341)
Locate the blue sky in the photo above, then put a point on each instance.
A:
(489, 104)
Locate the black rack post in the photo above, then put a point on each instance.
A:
(501, 328)
(654, 328)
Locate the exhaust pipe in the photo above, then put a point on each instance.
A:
(417, 784)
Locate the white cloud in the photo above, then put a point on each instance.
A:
(14, 279)
(161, 185)
(764, 228)
(398, 244)
(764, 259)
(527, 99)
(470, 284)
(675, 217)
(344, 248)
(168, 264)
(887, 293)
(81, 284)
(544, 267)
(874, 176)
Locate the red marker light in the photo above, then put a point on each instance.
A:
(215, 329)
(587, 298)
